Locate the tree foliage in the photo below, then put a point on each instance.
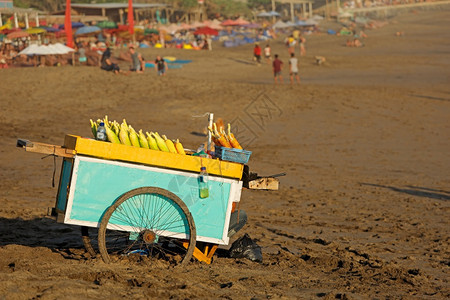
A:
(223, 7)
(256, 4)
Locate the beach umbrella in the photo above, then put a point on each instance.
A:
(216, 26)
(107, 24)
(290, 24)
(163, 28)
(62, 49)
(17, 35)
(197, 24)
(311, 22)
(172, 28)
(151, 31)
(88, 30)
(241, 22)
(206, 31)
(36, 50)
(52, 49)
(280, 24)
(30, 50)
(74, 25)
(50, 29)
(268, 14)
(35, 30)
(185, 26)
(228, 22)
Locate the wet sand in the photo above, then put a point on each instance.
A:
(363, 211)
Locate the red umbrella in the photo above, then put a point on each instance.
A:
(241, 22)
(229, 22)
(206, 31)
(17, 35)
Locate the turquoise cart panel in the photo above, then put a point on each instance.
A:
(97, 184)
(65, 179)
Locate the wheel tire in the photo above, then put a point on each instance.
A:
(145, 227)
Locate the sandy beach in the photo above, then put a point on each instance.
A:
(363, 212)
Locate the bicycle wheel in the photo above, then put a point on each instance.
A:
(150, 222)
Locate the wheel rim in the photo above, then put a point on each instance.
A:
(147, 222)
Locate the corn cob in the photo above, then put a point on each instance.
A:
(94, 128)
(221, 138)
(179, 147)
(124, 122)
(214, 138)
(143, 140)
(116, 127)
(112, 137)
(233, 141)
(123, 135)
(161, 143)
(152, 142)
(133, 137)
(169, 144)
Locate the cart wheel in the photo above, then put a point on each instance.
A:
(147, 221)
(90, 240)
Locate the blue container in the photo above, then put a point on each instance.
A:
(231, 154)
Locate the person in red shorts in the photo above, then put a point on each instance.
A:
(277, 66)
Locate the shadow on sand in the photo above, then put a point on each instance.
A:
(416, 191)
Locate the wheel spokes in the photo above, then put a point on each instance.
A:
(148, 224)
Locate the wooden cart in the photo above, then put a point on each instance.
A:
(133, 201)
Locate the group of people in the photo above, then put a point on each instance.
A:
(137, 63)
(277, 64)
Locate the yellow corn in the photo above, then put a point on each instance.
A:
(170, 145)
(179, 147)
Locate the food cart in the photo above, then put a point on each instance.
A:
(133, 201)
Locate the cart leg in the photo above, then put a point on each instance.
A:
(90, 240)
(205, 255)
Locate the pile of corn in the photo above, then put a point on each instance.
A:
(126, 135)
(222, 138)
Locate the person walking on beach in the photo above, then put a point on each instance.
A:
(302, 45)
(277, 65)
(257, 53)
(160, 66)
(293, 68)
(267, 54)
(137, 62)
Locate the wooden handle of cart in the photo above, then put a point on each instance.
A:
(45, 148)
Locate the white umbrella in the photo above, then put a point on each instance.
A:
(57, 48)
(30, 50)
(62, 49)
(280, 24)
(36, 50)
(311, 22)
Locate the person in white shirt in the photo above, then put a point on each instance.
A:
(267, 54)
(293, 68)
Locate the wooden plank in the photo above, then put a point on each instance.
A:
(91, 147)
(264, 183)
(45, 148)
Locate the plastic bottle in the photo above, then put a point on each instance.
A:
(101, 132)
(203, 183)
